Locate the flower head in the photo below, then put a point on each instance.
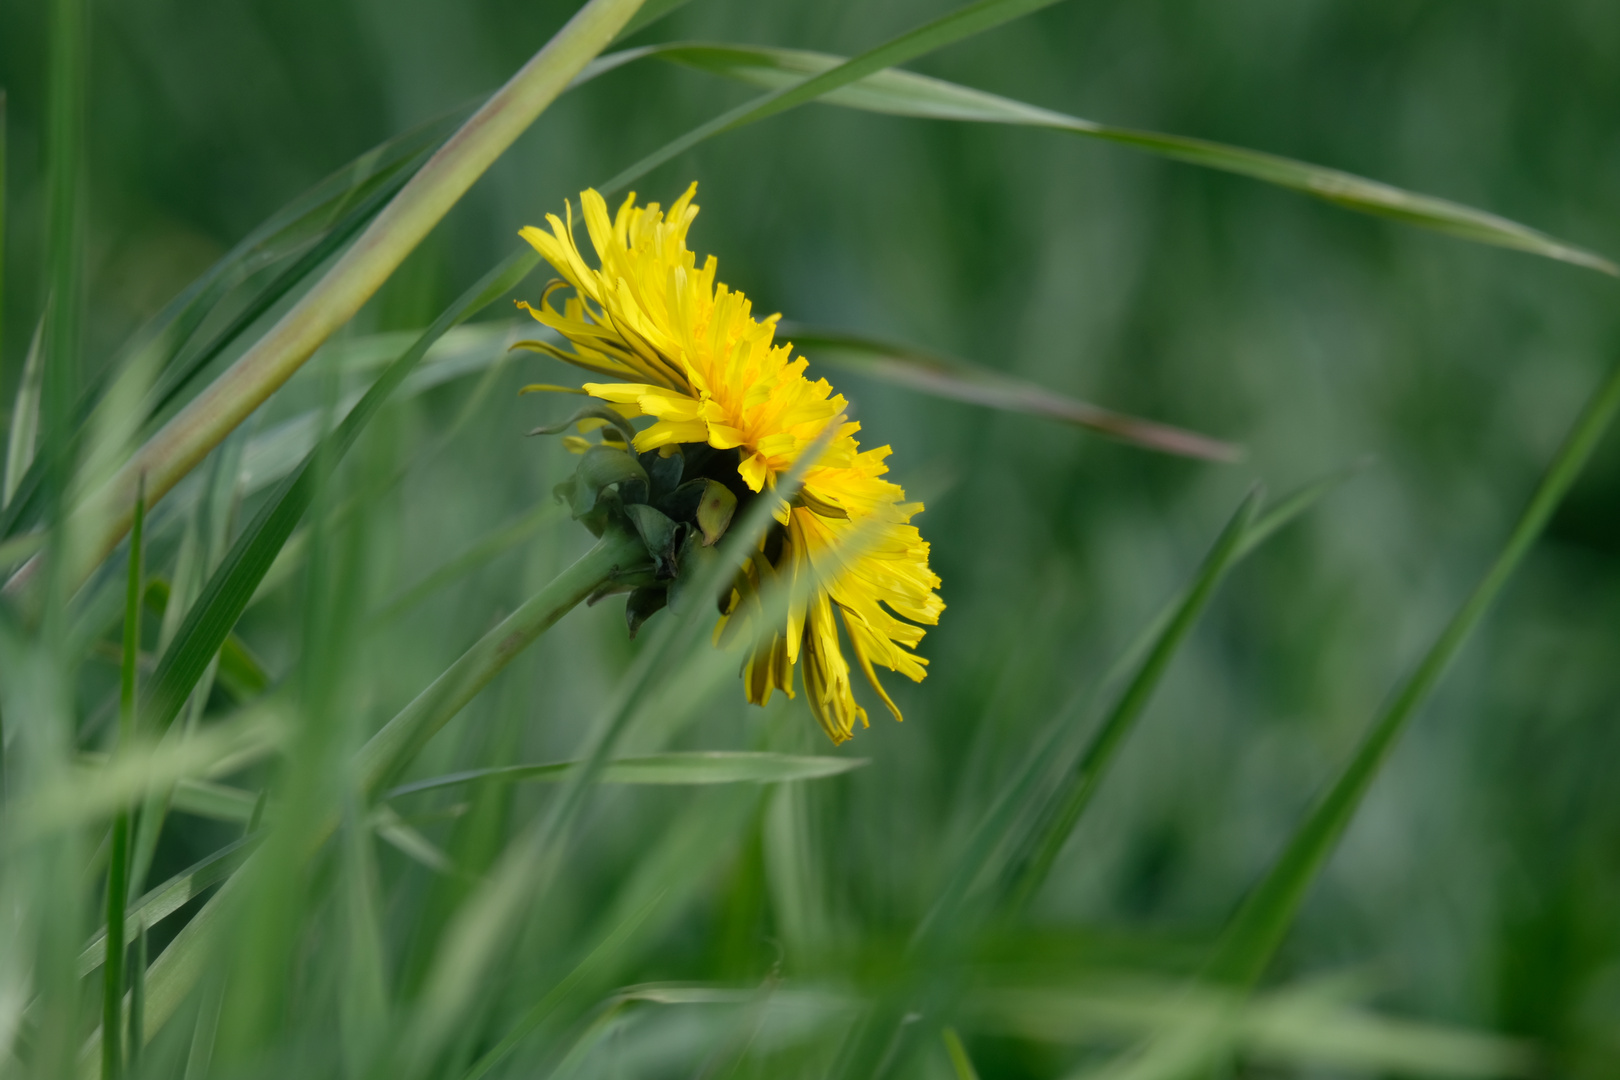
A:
(735, 411)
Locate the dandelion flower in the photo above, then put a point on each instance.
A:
(731, 411)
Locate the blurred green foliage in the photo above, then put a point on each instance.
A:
(1479, 885)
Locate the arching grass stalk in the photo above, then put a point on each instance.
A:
(395, 232)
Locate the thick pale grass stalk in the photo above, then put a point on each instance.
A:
(214, 413)
(187, 958)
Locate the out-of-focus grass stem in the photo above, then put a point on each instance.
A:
(3, 134)
(396, 231)
(64, 132)
(112, 999)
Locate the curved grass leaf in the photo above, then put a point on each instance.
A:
(232, 585)
(1078, 787)
(306, 224)
(221, 802)
(945, 30)
(959, 380)
(902, 93)
(88, 795)
(1249, 941)
(1286, 510)
(348, 284)
(682, 768)
(169, 897)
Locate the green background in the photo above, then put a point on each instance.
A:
(1480, 882)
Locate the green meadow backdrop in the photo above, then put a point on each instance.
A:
(1467, 923)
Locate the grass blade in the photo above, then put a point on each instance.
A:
(958, 380)
(1312, 1025)
(1286, 510)
(1247, 945)
(961, 1064)
(308, 219)
(650, 12)
(232, 585)
(680, 768)
(494, 543)
(23, 437)
(137, 1000)
(946, 30)
(118, 864)
(64, 229)
(1081, 784)
(87, 796)
(6, 497)
(901, 93)
(164, 900)
(525, 870)
(352, 280)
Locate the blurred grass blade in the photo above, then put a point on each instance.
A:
(1015, 841)
(232, 585)
(1286, 510)
(64, 236)
(1078, 787)
(902, 93)
(397, 742)
(22, 440)
(946, 30)
(1310, 1026)
(959, 380)
(118, 862)
(410, 842)
(680, 768)
(169, 897)
(595, 961)
(960, 1062)
(4, 142)
(220, 802)
(650, 12)
(1247, 944)
(311, 219)
(137, 1000)
(496, 542)
(90, 795)
(526, 869)
(177, 378)
(358, 273)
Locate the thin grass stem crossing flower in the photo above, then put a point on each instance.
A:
(730, 411)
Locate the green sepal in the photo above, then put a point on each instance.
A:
(642, 605)
(664, 473)
(602, 467)
(682, 503)
(695, 559)
(662, 536)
